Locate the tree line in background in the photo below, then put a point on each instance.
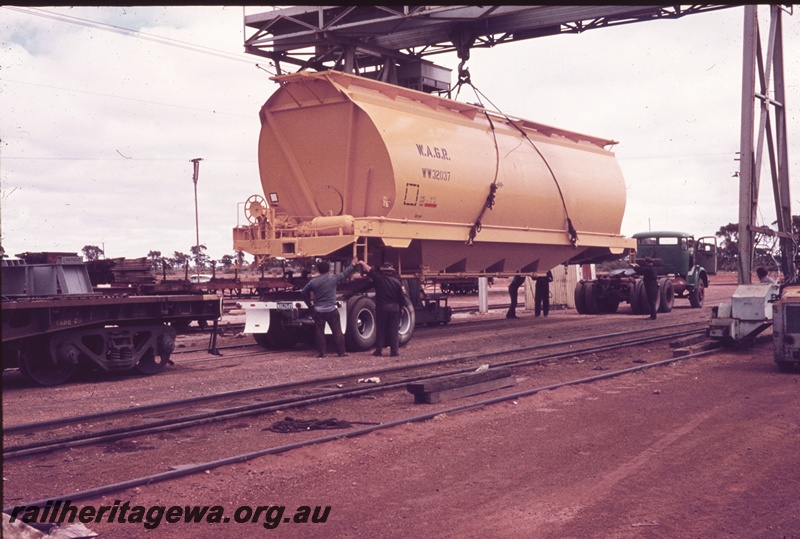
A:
(766, 247)
(197, 259)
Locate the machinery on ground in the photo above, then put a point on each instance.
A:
(54, 324)
(754, 308)
(786, 328)
(749, 312)
(683, 265)
(442, 189)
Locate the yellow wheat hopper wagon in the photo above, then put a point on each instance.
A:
(355, 167)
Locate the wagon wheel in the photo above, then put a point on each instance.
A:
(254, 208)
(36, 364)
(150, 363)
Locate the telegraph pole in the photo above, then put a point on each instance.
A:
(196, 174)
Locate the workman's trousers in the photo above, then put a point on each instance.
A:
(542, 299)
(387, 322)
(332, 318)
(513, 290)
(652, 294)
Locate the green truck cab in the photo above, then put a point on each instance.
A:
(686, 261)
(683, 265)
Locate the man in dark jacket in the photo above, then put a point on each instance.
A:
(650, 274)
(389, 301)
(324, 305)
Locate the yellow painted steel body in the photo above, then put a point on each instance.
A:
(344, 159)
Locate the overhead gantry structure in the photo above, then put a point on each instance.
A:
(391, 43)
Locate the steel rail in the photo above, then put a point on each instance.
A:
(27, 427)
(278, 404)
(201, 468)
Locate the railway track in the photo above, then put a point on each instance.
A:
(365, 428)
(104, 427)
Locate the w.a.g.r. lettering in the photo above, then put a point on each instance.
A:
(434, 152)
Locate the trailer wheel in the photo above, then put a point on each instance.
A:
(667, 294)
(280, 336)
(361, 326)
(408, 319)
(580, 304)
(591, 305)
(786, 366)
(698, 295)
(36, 364)
(609, 305)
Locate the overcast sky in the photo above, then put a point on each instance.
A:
(98, 127)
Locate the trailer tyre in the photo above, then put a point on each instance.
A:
(580, 304)
(635, 300)
(407, 322)
(361, 324)
(609, 305)
(591, 305)
(667, 293)
(278, 336)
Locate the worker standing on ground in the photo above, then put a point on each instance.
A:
(389, 301)
(323, 288)
(542, 294)
(513, 290)
(650, 275)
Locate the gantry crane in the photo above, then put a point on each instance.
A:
(391, 43)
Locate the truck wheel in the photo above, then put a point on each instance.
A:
(361, 327)
(408, 320)
(609, 305)
(635, 299)
(590, 298)
(667, 294)
(580, 304)
(698, 295)
(786, 366)
(644, 305)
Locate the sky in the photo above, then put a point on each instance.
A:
(102, 110)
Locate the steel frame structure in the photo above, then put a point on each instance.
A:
(373, 40)
(772, 127)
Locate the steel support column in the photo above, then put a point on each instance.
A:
(768, 72)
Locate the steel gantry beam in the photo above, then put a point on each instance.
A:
(358, 38)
